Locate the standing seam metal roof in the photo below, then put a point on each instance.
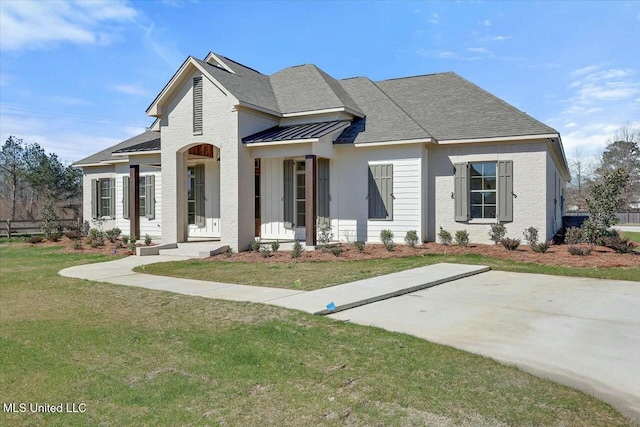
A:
(293, 132)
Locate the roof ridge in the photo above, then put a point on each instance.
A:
(418, 75)
(401, 109)
(238, 63)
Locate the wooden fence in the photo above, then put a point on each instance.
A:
(627, 217)
(30, 226)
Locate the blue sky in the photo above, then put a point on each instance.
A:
(77, 77)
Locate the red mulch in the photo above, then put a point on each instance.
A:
(600, 257)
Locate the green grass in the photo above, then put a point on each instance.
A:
(141, 357)
(631, 235)
(315, 275)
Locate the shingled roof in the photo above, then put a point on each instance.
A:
(106, 155)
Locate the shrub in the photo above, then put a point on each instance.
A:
(579, 250)
(35, 239)
(531, 235)
(228, 252)
(574, 236)
(54, 237)
(255, 245)
(147, 240)
(95, 234)
(119, 245)
(96, 243)
(265, 252)
(324, 237)
(132, 245)
(462, 237)
(620, 244)
(386, 236)
(275, 246)
(359, 247)
(112, 234)
(497, 233)
(77, 245)
(336, 250)
(540, 248)
(444, 236)
(125, 239)
(411, 238)
(73, 235)
(297, 250)
(510, 244)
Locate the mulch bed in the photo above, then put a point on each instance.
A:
(600, 257)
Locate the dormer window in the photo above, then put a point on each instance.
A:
(197, 105)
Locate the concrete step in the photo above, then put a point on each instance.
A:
(196, 249)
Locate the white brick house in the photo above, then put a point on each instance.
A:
(236, 154)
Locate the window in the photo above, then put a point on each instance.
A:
(483, 190)
(142, 195)
(191, 195)
(197, 105)
(300, 194)
(380, 194)
(105, 197)
(483, 187)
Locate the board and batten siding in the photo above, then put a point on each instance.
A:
(271, 200)
(350, 192)
(152, 227)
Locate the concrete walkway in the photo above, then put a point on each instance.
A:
(344, 296)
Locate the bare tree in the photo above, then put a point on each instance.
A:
(582, 168)
(12, 171)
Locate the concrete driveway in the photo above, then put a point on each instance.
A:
(581, 332)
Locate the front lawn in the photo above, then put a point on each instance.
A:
(320, 274)
(140, 357)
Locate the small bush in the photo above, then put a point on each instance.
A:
(147, 240)
(510, 244)
(125, 239)
(324, 237)
(462, 237)
(119, 245)
(95, 234)
(54, 237)
(73, 235)
(265, 252)
(297, 250)
(579, 250)
(228, 252)
(444, 236)
(531, 235)
(336, 250)
(255, 246)
(113, 234)
(540, 248)
(574, 236)
(35, 239)
(77, 245)
(95, 243)
(132, 246)
(359, 247)
(411, 238)
(620, 244)
(275, 246)
(386, 236)
(497, 233)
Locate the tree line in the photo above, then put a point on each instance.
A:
(37, 185)
(621, 153)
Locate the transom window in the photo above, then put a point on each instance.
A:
(483, 190)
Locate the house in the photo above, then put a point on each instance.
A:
(234, 154)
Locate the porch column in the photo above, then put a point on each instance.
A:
(134, 200)
(310, 199)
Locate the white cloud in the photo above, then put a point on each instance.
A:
(486, 23)
(434, 18)
(570, 125)
(594, 87)
(156, 41)
(478, 50)
(131, 89)
(592, 139)
(586, 70)
(43, 24)
(500, 38)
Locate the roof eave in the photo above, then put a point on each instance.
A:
(325, 111)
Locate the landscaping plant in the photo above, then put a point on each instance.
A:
(411, 238)
(606, 197)
(574, 236)
(497, 232)
(510, 244)
(579, 250)
(112, 234)
(275, 246)
(359, 247)
(255, 245)
(621, 245)
(386, 236)
(324, 237)
(35, 239)
(444, 236)
(531, 235)
(541, 247)
(462, 238)
(147, 240)
(297, 250)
